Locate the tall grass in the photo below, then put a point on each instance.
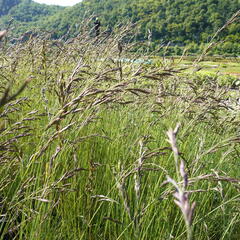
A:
(84, 151)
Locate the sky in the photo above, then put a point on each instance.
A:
(59, 2)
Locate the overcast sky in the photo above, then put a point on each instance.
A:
(59, 2)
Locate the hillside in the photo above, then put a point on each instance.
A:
(170, 20)
(6, 5)
(26, 14)
(181, 22)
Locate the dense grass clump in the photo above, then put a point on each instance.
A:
(96, 143)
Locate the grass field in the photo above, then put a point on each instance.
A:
(229, 66)
(114, 150)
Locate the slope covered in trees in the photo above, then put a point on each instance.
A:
(182, 22)
(171, 20)
(6, 5)
(26, 14)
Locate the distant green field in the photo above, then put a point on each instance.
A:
(230, 66)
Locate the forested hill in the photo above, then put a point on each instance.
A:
(179, 21)
(26, 14)
(6, 5)
(175, 20)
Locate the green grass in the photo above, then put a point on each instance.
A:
(75, 176)
(222, 66)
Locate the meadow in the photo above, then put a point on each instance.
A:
(92, 147)
(217, 65)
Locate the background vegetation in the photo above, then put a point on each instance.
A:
(182, 23)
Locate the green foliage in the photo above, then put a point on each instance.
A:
(222, 80)
(29, 11)
(28, 15)
(6, 5)
(169, 20)
(179, 22)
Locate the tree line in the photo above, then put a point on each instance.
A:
(180, 22)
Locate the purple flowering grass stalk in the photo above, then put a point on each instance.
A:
(181, 194)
